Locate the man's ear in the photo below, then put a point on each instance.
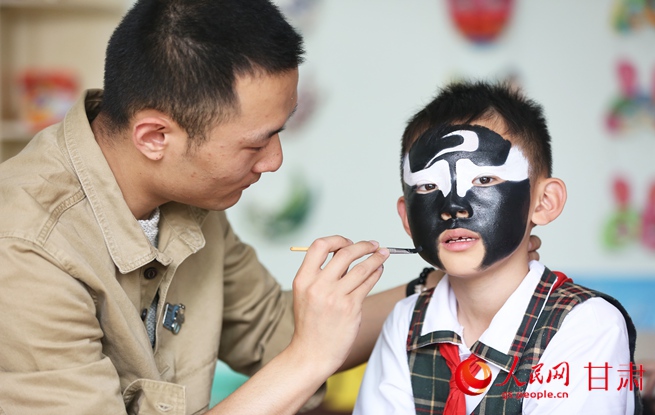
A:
(551, 197)
(151, 131)
(402, 212)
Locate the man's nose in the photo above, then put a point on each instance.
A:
(271, 159)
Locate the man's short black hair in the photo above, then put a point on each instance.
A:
(465, 102)
(182, 57)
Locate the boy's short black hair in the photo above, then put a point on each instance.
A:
(465, 102)
(182, 57)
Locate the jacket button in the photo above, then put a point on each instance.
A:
(150, 273)
(144, 314)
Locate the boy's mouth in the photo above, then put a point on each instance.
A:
(460, 239)
(456, 236)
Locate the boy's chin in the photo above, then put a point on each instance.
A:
(458, 271)
(462, 264)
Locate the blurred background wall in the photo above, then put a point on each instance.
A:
(370, 65)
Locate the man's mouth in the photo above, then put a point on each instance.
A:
(250, 184)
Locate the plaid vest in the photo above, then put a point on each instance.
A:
(429, 372)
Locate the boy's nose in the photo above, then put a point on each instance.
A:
(460, 214)
(455, 207)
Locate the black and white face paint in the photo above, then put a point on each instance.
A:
(447, 185)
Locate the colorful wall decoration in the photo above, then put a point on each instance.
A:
(631, 15)
(629, 224)
(631, 114)
(634, 107)
(278, 222)
(481, 21)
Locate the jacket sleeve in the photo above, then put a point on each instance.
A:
(258, 319)
(51, 358)
(258, 314)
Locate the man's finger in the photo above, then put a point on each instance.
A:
(319, 250)
(360, 274)
(344, 258)
(367, 285)
(534, 243)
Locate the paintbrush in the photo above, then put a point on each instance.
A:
(391, 250)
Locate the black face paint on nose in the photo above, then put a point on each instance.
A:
(455, 207)
(498, 213)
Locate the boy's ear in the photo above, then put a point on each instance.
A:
(551, 197)
(402, 212)
(151, 132)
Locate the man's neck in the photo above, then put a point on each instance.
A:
(129, 171)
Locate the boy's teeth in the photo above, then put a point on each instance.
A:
(462, 239)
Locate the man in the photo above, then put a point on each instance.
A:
(121, 277)
(195, 96)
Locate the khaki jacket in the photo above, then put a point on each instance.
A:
(76, 272)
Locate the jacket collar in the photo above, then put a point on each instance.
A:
(127, 243)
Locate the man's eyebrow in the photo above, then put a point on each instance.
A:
(270, 134)
(293, 111)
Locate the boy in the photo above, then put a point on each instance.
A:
(476, 172)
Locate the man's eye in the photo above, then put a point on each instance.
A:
(426, 188)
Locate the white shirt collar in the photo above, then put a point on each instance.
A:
(442, 311)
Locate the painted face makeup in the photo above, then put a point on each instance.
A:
(466, 177)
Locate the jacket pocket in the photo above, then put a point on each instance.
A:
(152, 397)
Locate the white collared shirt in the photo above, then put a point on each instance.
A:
(593, 332)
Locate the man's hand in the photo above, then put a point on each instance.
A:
(533, 245)
(328, 298)
(327, 308)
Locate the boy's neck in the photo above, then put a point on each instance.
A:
(480, 297)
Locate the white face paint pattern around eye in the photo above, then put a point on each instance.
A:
(438, 173)
(515, 169)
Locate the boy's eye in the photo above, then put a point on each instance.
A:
(486, 181)
(426, 188)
